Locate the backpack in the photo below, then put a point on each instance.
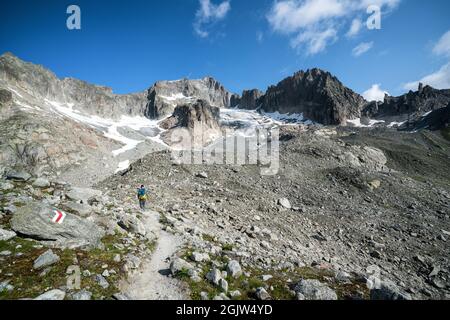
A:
(141, 194)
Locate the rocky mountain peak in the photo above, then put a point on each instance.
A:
(317, 94)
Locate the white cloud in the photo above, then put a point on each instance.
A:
(355, 28)
(439, 79)
(442, 48)
(316, 41)
(362, 48)
(303, 19)
(375, 93)
(209, 13)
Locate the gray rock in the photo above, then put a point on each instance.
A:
(81, 295)
(35, 221)
(132, 224)
(19, 175)
(203, 175)
(221, 296)
(54, 294)
(235, 293)
(102, 282)
(46, 259)
(6, 235)
(83, 194)
(5, 286)
(80, 209)
(388, 291)
(121, 296)
(6, 186)
(5, 253)
(234, 269)
(204, 295)
(284, 203)
(178, 265)
(214, 276)
(315, 290)
(223, 284)
(262, 294)
(41, 183)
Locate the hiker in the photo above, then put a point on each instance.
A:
(142, 197)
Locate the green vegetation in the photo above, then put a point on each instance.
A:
(279, 284)
(29, 283)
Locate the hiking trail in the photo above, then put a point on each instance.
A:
(152, 281)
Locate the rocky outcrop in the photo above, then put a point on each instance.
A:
(411, 105)
(250, 99)
(199, 120)
(317, 94)
(165, 96)
(436, 120)
(34, 220)
(43, 84)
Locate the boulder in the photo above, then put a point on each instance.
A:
(387, 290)
(315, 290)
(6, 235)
(19, 175)
(46, 259)
(178, 265)
(54, 294)
(81, 295)
(132, 224)
(214, 275)
(41, 183)
(35, 220)
(84, 195)
(284, 203)
(234, 268)
(262, 294)
(80, 209)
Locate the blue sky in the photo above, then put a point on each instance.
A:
(128, 45)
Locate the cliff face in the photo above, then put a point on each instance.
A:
(165, 96)
(92, 99)
(317, 94)
(198, 119)
(412, 105)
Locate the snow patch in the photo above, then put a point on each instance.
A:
(123, 165)
(357, 123)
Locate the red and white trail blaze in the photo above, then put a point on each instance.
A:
(59, 216)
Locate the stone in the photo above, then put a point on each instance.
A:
(5, 253)
(266, 277)
(315, 290)
(223, 284)
(121, 296)
(84, 195)
(203, 175)
(234, 269)
(102, 282)
(374, 184)
(132, 224)
(197, 257)
(54, 294)
(46, 259)
(5, 286)
(387, 290)
(262, 294)
(35, 221)
(284, 203)
(214, 276)
(19, 175)
(41, 183)
(178, 265)
(6, 235)
(80, 209)
(235, 293)
(204, 295)
(82, 295)
(6, 186)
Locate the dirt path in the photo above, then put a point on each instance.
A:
(152, 281)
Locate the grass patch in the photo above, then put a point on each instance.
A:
(279, 286)
(29, 283)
